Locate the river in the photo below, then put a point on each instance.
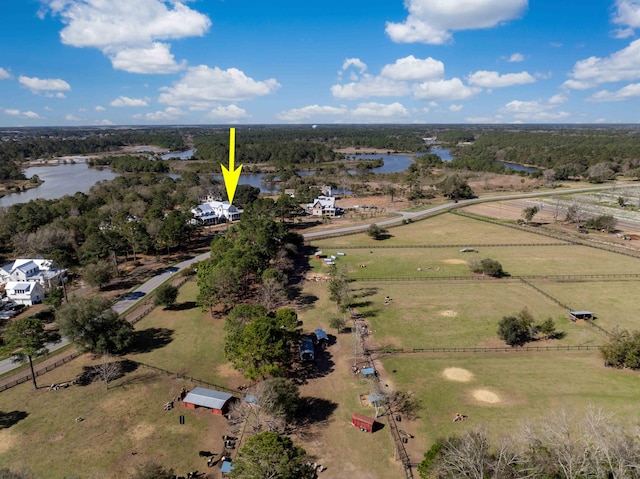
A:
(69, 178)
(60, 180)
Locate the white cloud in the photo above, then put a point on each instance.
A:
(24, 114)
(99, 108)
(623, 33)
(123, 101)
(375, 111)
(202, 85)
(456, 107)
(43, 86)
(433, 21)
(122, 29)
(168, 114)
(71, 118)
(557, 99)
(533, 111)
(370, 86)
(489, 79)
(31, 114)
(623, 65)
(444, 90)
(516, 57)
(103, 122)
(154, 59)
(4, 74)
(627, 13)
(355, 62)
(311, 111)
(414, 69)
(628, 92)
(229, 112)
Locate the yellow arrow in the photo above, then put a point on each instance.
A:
(231, 176)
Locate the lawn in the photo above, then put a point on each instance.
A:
(521, 386)
(445, 229)
(456, 314)
(614, 303)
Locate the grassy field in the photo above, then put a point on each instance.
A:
(429, 315)
(500, 390)
(444, 229)
(521, 386)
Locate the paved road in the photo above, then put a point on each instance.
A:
(138, 294)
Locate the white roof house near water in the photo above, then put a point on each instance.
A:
(212, 212)
(26, 269)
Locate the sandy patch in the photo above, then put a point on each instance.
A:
(449, 313)
(7, 440)
(56, 437)
(141, 431)
(454, 261)
(457, 374)
(483, 395)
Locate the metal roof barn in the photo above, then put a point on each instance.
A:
(217, 401)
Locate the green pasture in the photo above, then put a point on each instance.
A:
(455, 314)
(528, 387)
(444, 229)
(614, 303)
(195, 341)
(515, 260)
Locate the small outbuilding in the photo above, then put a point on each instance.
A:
(307, 350)
(217, 401)
(365, 423)
(321, 336)
(575, 315)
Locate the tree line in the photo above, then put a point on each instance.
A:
(561, 446)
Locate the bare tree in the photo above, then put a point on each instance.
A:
(108, 369)
(272, 293)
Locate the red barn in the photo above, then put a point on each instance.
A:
(217, 401)
(365, 423)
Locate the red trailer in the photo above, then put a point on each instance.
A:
(365, 423)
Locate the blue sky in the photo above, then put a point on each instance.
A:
(141, 62)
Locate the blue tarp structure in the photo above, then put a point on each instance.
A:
(226, 467)
(368, 372)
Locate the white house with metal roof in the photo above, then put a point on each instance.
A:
(24, 292)
(26, 269)
(212, 212)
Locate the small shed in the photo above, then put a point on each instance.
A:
(368, 372)
(575, 315)
(217, 401)
(365, 423)
(321, 336)
(307, 350)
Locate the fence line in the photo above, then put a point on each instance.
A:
(184, 376)
(400, 449)
(38, 372)
(545, 294)
(549, 234)
(504, 349)
(550, 277)
(478, 245)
